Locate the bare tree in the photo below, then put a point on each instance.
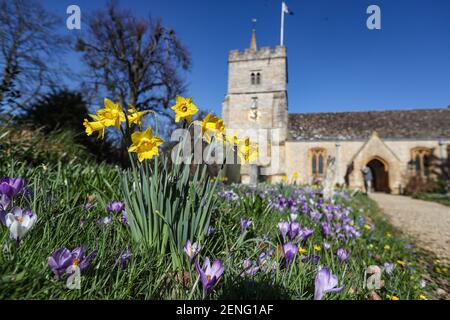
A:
(29, 46)
(134, 60)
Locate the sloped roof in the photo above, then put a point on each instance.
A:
(394, 124)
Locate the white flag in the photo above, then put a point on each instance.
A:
(286, 9)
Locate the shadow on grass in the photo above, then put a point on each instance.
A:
(250, 289)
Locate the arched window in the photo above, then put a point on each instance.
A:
(258, 78)
(421, 160)
(317, 156)
(253, 79)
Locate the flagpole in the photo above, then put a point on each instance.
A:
(282, 24)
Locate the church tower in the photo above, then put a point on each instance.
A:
(257, 99)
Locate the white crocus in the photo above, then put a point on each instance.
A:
(19, 223)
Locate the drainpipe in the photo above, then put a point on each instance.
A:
(338, 163)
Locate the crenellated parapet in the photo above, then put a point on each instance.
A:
(262, 53)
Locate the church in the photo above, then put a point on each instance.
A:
(395, 145)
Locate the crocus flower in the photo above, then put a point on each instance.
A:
(325, 282)
(389, 267)
(19, 222)
(289, 250)
(191, 249)
(210, 231)
(63, 258)
(59, 261)
(5, 201)
(11, 186)
(209, 274)
(325, 228)
(105, 220)
(294, 230)
(80, 259)
(326, 245)
(115, 206)
(305, 233)
(283, 227)
(124, 258)
(249, 268)
(124, 218)
(245, 224)
(342, 254)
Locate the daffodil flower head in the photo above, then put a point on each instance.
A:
(184, 109)
(94, 126)
(211, 126)
(111, 115)
(134, 116)
(145, 144)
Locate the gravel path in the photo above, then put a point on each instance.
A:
(427, 222)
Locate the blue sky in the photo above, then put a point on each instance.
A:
(335, 62)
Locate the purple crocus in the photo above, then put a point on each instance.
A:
(11, 186)
(210, 231)
(283, 227)
(63, 258)
(325, 282)
(209, 274)
(191, 249)
(305, 233)
(325, 229)
(124, 258)
(124, 218)
(342, 254)
(289, 250)
(389, 267)
(59, 261)
(249, 267)
(115, 206)
(245, 224)
(294, 230)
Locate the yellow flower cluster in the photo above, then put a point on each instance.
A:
(212, 127)
(145, 144)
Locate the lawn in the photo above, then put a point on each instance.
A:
(434, 197)
(261, 256)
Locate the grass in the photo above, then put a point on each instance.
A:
(61, 193)
(443, 199)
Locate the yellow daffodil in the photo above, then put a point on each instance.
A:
(392, 297)
(302, 250)
(317, 247)
(234, 139)
(111, 115)
(367, 227)
(211, 126)
(295, 175)
(184, 109)
(247, 151)
(388, 235)
(134, 116)
(387, 247)
(94, 126)
(283, 178)
(145, 144)
(423, 297)
(401, 263)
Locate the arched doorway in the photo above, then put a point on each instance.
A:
(380, 172)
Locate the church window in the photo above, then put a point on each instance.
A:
(317, 156)
(421, 159)
(253, 78)
(258, 78)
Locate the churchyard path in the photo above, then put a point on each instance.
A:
(426, 222)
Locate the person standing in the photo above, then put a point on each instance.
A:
(368, 178)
